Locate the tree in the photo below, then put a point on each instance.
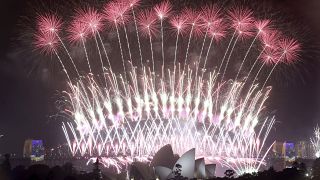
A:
(303, 167)
(229, 173)
(177, 173)
(6, 166)
(247, 176)
(295, 165)
(316, 169)
(271, 170)
(96, 170)
(68, 168)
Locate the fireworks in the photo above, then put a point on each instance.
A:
(315, 141)
(128, 114)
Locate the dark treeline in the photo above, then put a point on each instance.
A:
(298, 171)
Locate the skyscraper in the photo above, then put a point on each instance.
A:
(277, 149)
(288, 151)
(33, 149)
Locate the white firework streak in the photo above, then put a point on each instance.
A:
(122, 122)
(129, 116)
(315, 142)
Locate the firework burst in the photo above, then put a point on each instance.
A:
(49, 23)
(163, 10)
(128, 114)
(147, 21)
(46, 42)
(315, 141)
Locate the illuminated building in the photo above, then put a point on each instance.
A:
(33, 149)
(284, 154)
(288, 151)
(301, 149)
(27, 148)
(277, 149)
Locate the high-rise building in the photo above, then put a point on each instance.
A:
(304, 150)
(277, 149)
(288, 150)
(310, 151)
(301, 149)
(27, 148)
(33, 149)
(285, 153)
(291, 150)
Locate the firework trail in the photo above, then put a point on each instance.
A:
(315, 141)
(136, 110)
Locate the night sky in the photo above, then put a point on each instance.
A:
(27, 99)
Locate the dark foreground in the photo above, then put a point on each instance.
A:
(68, 172)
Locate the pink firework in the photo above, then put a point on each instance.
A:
(47, 43)
(270, 39)
(289, 49)
(194, 20)
(270, 56)
(91, 18)
(242, 21)
(77, 31)
(179, 23)
(163, 9)
(49, 23)
(116, 12)
(263, 26)
(147, 22)
(217, 30)
(210, 15)
(129, 3)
